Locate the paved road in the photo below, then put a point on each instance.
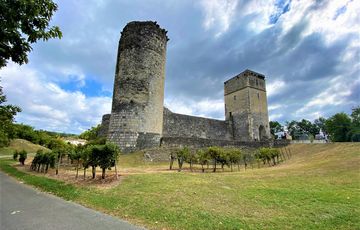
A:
(22, 207)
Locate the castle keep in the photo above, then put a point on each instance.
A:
(138, 119)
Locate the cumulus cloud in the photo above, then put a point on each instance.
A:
(47, 106)
(219, 14)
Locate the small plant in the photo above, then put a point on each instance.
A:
(15, 155)
(22, 157)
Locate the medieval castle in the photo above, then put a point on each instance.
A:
(138, 119)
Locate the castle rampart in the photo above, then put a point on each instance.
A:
(138, 119)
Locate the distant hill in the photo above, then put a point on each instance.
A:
(20, 144)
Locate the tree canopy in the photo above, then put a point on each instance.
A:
(7, 114)
(23, 22)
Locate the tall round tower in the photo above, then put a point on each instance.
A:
(137, 109)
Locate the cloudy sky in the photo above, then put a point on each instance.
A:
(309, 51)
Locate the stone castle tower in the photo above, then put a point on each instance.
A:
(246, 106)
(136, 117)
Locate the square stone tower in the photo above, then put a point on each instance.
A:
(246, 106)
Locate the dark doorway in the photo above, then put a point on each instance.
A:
(262, 133)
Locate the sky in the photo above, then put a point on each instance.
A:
(308, 50)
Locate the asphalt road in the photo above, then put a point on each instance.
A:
(22, 207)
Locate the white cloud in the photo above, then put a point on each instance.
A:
(47, 106)
(275, 87)
(333, 19)
(202, 108)
(334, 95)
(219, 14)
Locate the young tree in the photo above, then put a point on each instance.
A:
(203, 158)
(22, 157)
(76, 155)
(181, 156)
(15, 155)
(22, 23)
(214, 154)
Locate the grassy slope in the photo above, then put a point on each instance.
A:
(316, 189)
(20, 144)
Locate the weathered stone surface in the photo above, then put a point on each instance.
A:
(104, 128)
(138, 119)
(179, 125)
(139, 87)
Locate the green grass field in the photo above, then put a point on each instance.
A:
(318, 188)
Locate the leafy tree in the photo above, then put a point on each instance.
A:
(76, 155)
(22, 23)
(354, 133)
(181, 155)
(275, 127)
(43, 160)
(338, 127)
(203, 158)
(214, 153)
(7, 114)
(22, 157)
(15, 155)
(90, 134)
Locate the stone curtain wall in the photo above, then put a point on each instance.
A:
(194, 142)
(179, 125)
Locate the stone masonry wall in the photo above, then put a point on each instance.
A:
(138, 96)
(104, 127)
(179, 125)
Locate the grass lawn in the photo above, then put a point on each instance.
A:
(318, 188)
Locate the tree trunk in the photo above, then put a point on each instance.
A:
(77, 169)
(214, 170)
(84, 173)
(231, 166)
(116, 172)
(57, 166)
(93, 171)
(191, 169)
(180, 162)
(47, 168)
(103, 173)
(171, 163)
(202, 168)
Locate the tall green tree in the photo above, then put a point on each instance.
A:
(90, 134)
(354, 133)
(275, 127)
(7, 114)
(338, 127)
(23, 22)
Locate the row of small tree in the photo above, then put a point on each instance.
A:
(91, 155)
(229, 157)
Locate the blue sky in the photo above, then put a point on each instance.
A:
(308, 50)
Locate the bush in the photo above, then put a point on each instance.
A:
(15, 155)
(22, 157)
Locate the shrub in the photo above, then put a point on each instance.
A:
(15, 155)
(22, 157)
